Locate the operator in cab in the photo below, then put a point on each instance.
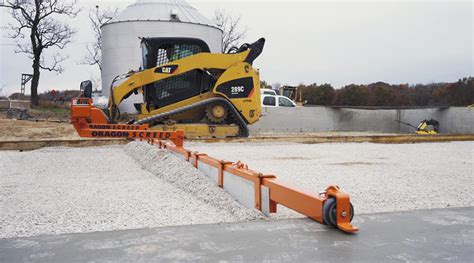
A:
(176, 52)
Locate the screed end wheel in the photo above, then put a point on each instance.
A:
(329, 212)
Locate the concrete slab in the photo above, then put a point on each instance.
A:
(421, 236)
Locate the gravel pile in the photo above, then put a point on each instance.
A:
(379, 177)
(184, 176)
(74, 190)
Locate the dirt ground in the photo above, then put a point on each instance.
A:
(16, 130)
(45, 123)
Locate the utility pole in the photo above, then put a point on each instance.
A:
(25, 78)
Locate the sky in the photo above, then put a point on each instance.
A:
(336, 42)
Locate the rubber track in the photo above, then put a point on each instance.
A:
(244, 131)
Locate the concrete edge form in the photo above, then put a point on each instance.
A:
(307, 138)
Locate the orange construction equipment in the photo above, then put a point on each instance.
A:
(90, 121)
(251, 188)
(331, 207)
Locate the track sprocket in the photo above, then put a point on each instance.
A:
(216, 113)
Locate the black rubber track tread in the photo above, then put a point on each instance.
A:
(244, 131)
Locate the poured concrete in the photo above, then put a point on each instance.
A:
(417, 236)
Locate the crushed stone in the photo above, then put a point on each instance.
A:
(77, 190)
(185, 177)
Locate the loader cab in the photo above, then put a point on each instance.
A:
(160, 51)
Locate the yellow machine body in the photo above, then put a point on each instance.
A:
(231, 78)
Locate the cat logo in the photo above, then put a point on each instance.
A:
(166, 69)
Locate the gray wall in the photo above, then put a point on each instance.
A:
(14, 104)
(317, 119)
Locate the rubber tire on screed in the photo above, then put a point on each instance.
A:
(329, 212)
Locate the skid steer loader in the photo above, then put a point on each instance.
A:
(206, 95)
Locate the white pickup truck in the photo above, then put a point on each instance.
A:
(276, 101)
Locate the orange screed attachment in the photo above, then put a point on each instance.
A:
(332, 208)
(91, 122)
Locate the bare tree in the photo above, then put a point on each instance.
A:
(41, 20)
(230, 26)
(97, 18)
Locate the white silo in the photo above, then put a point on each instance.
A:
(121, 37)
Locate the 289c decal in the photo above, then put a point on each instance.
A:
(237, 88)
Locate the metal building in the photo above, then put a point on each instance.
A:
(121, 37)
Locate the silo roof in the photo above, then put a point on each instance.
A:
(162, 10)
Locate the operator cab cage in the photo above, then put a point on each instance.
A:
(162, 50)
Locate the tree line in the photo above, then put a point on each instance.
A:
(460, 93)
